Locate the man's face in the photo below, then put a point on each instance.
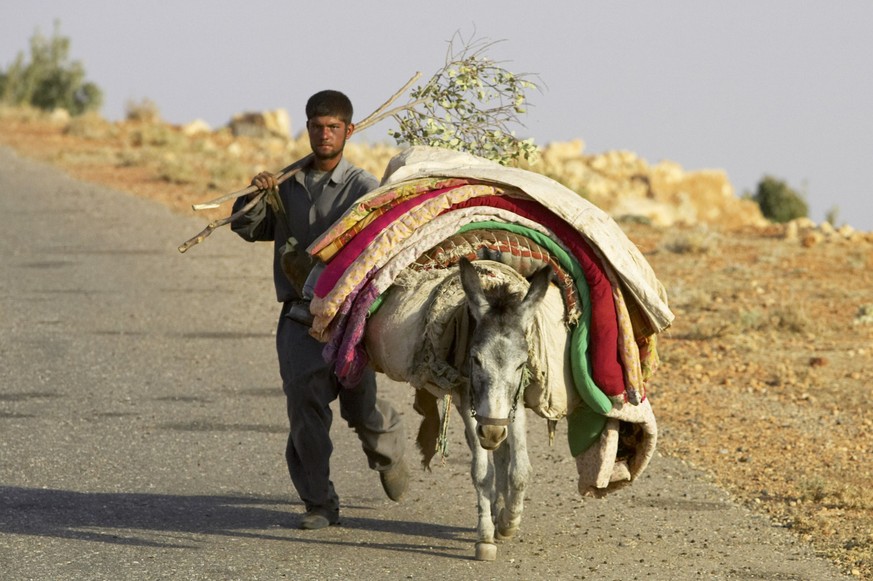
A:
(327, 136)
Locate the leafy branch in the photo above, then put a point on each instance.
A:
(469, 105)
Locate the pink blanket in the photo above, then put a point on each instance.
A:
(353, 248)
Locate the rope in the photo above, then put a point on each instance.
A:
(442, 446)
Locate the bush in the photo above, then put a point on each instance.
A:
(778, 202)
(145, 111)
(50, 80)
(693, 242)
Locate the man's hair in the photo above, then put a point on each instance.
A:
(329, 104)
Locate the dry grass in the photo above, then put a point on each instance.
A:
(765, 381)
(697, 241)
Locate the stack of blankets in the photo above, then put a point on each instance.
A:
(391, 259)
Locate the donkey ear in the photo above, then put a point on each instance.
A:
(539, 284)
(473, 289)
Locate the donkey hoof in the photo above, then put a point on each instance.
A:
(506, 526)
(507, 533)
(486, 551)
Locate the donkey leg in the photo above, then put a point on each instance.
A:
(501, 458)
(482, 474)
(517, 470)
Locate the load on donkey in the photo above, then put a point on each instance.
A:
(398, 291)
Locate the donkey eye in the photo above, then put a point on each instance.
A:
(521, 366)
(477, 360)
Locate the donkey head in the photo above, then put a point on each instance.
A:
(498, 349)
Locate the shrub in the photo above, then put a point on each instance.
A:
(174, 169)
(91, 126)
(693, 242)
(794, 319)
(50, 79)
(778, 202)
(145, 111)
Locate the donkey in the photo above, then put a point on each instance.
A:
(495, 428)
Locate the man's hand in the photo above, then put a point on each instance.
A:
(265, 181)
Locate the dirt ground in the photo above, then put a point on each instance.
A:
(765, 373)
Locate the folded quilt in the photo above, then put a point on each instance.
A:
(397, 223)
(515, 250)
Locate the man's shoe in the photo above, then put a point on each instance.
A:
(395, 480)
(313, 520)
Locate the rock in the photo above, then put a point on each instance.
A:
(625, 185)
(655, 213)
(561, 151)
(818, 361)
(809, 233)
(812, 238)
(60, 116)
(846, 231)
(804, 223)
(864, 316)
(276, 123)
(196, 127)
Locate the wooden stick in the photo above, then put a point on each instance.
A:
(219, 223)
(219, 201)
(281, 177)
(375, 116)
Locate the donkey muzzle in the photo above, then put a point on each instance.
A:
(491, 432)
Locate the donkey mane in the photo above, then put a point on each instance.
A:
(502, 300)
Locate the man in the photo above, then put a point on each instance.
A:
(310, 202)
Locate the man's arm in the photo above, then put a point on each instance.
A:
(258, 223)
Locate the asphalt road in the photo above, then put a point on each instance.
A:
(143, 431)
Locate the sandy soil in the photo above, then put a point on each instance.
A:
(764, 375)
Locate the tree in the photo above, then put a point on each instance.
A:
(779, 202)
(50, 79)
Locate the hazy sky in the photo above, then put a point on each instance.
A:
(770, 87)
